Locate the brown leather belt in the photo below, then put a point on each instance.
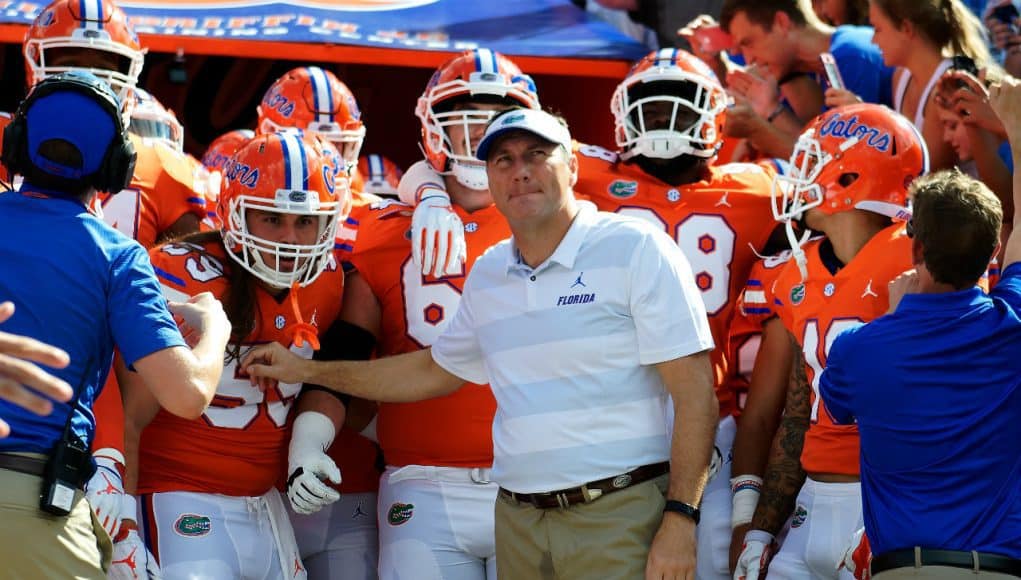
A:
(590, 491)
(22, 464)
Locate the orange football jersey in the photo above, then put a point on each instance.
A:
(347, 230)
(820, 308)
(455, 430)
(166, 185)
(746, 327)
(238, 447)
(718, 224)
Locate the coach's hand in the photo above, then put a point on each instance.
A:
(270, 363)
(672, 555)
(17, 353)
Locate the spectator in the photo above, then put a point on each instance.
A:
(785, 39)
(85, 288)
(1004, 29)
(840, 12)
(967, 99)
(935, 389)
(597, 415)
(918, 36)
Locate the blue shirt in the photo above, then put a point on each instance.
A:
(936, 390)
(861, 64)
(82, 286)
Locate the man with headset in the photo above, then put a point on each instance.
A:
(85, 288)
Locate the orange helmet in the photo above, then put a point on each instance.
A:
(151, 120)
(285, 173)
(469, 76)
(860, 156)
(670, 104)
(224, 147)
(314, 100)
(91, 30)
(381, 175)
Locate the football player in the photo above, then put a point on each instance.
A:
(217, 153)
(313, 99)
(208, 485)
(342, 537)
(850, 171)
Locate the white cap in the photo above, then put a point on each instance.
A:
(534, 121)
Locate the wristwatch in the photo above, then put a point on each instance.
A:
(672, 505)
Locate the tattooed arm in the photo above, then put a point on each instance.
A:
(784, 476)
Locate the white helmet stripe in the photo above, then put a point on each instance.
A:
(376, 167)
(666, 57)
(92, 14)
(295, 167)
(485, 61)
(321, 94)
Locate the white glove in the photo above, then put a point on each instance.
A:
(755, 554)
(105, 489)
(858, 556)
(437, 237)
(131, 560)
(437, 234)
(309, 465)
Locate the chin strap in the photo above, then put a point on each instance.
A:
(301, 331)
(799, 255)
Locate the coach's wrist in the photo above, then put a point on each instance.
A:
(683, 510)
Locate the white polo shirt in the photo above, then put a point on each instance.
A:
(568, 348)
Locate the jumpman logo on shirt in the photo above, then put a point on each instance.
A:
(723, 200)
(359, 512)
(578, 281)
(868, 290)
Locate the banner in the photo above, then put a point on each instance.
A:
(531, 28)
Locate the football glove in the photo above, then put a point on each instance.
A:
(755, 555)
(309, 465)
(858, 556)
(105, 490)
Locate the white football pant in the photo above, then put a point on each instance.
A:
(340, 541)
(204, 536)
(826, 515)
(436, 523)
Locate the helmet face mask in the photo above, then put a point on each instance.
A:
(288, 175)
(669, 105)
(462, 97)
(151, 120)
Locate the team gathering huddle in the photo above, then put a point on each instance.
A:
(770, 335)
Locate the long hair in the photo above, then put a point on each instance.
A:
(946, 23)
(239, 301)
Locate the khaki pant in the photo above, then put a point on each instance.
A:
(35, 544)
(939, 573)
(607, 539)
